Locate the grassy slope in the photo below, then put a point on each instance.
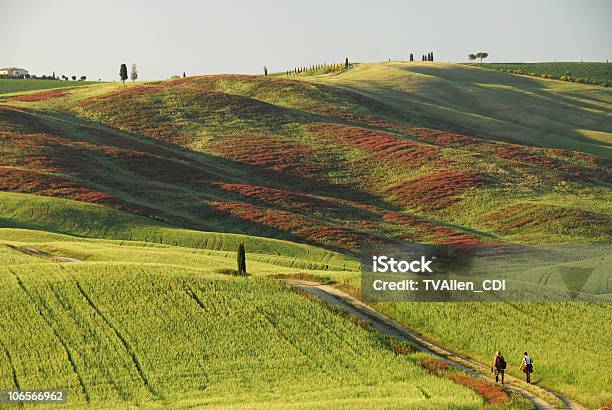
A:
(156, 327)
(17, 86)
(96, 221)
(531, 111)
(218, 341)
(259, 156)
(297, 161)
(491, 104)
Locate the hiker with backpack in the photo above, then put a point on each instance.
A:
(499, 367)
(527, 367)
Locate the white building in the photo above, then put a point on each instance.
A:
(13, 72)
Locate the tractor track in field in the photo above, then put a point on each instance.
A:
(541, 397)
(43, 254)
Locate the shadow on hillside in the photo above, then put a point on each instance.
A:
(527, 104)
(170, 183)
(523, 83)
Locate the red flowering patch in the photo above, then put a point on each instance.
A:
(491, 393)
(270, 152)
(458, 239)
(41, 96)
(430, 231)
(381, 145)
(400, 348)
(299, 226)
(435, 191)
(276, 196)
(538, 157)
(19, 180)
(445, 138)
(282, 220)
(524, 154)
(586, 158)
(435, 366)
(536, 217)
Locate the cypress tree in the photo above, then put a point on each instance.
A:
(241, 259)
(123, 73)
(346, 63)
(432, 56)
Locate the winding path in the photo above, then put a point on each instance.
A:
(541, 397)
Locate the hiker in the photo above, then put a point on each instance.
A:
(527, 367)
(499, 367)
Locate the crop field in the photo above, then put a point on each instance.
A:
(8, 86)
(150, 187)
(94, 221)
(599, 73)
(158, 326)
(564, 339)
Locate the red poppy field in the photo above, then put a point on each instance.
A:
(301, 169)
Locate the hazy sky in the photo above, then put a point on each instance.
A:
(200, 37)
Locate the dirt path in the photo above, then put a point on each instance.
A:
(37, 252)
(539, 396)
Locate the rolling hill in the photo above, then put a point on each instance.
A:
(491, 104)
(13, 86)
(156, 183)
(298, 161)
(159, 327)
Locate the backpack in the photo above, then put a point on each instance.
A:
(501, 364)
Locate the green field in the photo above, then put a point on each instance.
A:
(156, 326)
(599, 73)
(8, 86)
(151, 187)
(94, 221)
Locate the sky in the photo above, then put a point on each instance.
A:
(170, 37)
